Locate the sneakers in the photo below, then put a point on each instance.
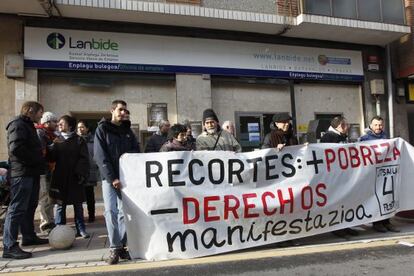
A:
(351, 232)
(384, 226)
(47, 227)
(83, 234)
(124, 254)
(34, 241)
(345, 233)
(391, 228)
(113, 257)
(340, 233)
(379, 227)
(116, 254)
(15, 252)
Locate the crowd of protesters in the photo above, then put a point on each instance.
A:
(55, 162)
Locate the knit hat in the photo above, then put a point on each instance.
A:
(48, 117)
(209, 114)
(281, 117)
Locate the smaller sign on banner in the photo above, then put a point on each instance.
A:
(386, 189)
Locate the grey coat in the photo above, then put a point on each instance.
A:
(226, 141)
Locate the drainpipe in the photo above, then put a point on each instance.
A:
(378, 105)
(390, 91)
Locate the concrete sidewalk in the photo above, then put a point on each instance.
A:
(92, 252)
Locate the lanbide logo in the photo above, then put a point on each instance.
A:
(56, 41)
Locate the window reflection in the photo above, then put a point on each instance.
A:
(387, 11)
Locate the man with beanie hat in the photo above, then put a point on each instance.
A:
(46, 132)
(282, 134)
(213, 137)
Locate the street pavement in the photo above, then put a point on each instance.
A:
(88, 255)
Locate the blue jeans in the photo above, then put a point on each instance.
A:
(24, 196)
(114, 215)
(60, 216)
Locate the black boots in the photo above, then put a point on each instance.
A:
(15, 252)
(116, 254)
(34, 241)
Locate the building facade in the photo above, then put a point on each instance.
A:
(172, 59)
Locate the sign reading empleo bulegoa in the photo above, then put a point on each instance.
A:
(104, 51)
(190, 204)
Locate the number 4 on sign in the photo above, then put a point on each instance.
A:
(384, 187)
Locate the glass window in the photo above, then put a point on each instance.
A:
(369, 10)
(344, 8)
(320, 7)
(392, 11)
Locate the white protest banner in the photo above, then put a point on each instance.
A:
(190, 204)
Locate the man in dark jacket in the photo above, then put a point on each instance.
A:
(375, 132)
(338, 133)
(112, 139)
(159, 138)
(282, 134)
(27, 164)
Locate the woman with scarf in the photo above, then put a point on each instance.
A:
(177, 139)
(70, 153)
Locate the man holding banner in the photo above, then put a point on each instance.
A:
(375, 132)
(213, 137)
(282, 135)
(112, 139)
(338, 133)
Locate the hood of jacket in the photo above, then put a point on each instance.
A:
(331, 129)
(110, 127)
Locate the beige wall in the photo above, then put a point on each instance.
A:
(61, 96)
(227, 98)
(10, 43)
(328, 98)
(193, 96)
(401, 123)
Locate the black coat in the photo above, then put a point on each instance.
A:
(155, 142)
(71, 170)
(332, 137)
(111, 141)
(277, 136)
(93, 168)
(25, 150)
(174, 145)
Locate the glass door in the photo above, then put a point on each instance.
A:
(249, 130)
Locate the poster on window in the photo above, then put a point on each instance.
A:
(156, 112)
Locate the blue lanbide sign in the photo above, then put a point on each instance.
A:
(123, 67)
